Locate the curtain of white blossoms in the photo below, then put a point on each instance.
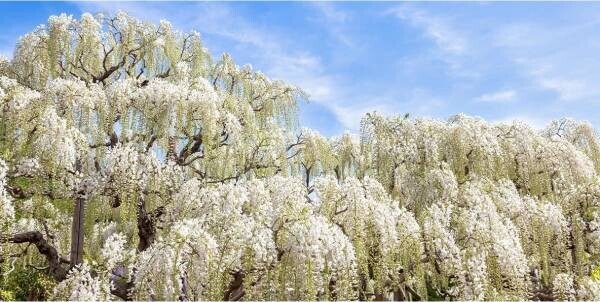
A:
(196, 183)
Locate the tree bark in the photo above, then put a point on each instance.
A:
(235, 291)
(146, 223)
(55, 269)
(77, 231)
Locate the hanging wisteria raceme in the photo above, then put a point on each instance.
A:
(135, 166)
(507, 212)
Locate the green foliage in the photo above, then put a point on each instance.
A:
(25, 284)
(596, 273)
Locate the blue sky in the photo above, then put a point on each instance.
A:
(501, 61)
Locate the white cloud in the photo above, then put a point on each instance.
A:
(521, 35)
(452, 44)
(334, 21)
(567, 89)
(503, 96)
(331, 12)
(554, 58)
(438, 29)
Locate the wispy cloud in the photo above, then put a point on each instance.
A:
(555, 57)
(503, 96)
(567, 89)
(332, 13)
(438, 29)
(334, 20)
(451, 44)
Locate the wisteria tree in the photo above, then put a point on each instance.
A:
(135, 166)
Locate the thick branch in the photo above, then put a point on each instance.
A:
(146, 224)
(235, 291)
(50, 253)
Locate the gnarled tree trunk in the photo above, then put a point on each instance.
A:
(77, 231)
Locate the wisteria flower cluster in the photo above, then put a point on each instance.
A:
(133, 165)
